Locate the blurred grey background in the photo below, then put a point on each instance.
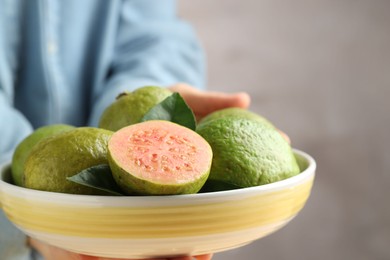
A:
(320, 71)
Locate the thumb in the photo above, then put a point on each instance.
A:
(207, 102)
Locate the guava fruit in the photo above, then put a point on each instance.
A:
(130, 107)
(25, 146)
(63, 155)
(246, 153)
(159, 157)
(235, 112)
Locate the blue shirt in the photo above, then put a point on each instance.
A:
(68, 60)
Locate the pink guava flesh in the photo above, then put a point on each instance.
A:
(161, 152)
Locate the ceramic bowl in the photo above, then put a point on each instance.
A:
(150, 226)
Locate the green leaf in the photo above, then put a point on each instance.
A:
(173, 109)
(97, 177)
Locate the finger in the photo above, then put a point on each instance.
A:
(204, 257)
(54, 253)
(205, 102)
(211, 102)
(199, 257)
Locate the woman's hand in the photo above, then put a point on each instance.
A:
(54, 253)
(205, 102)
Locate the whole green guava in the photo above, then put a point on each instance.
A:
(130, 107)
(24, 148)
(246, 153)
(66, 154)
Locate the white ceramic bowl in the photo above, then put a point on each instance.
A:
(150, 226)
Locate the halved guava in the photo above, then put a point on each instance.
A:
(159, 158)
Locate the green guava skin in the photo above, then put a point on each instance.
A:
(130, 107)
(246, 153)
(236, 113)
(25, 146)
(55, 158)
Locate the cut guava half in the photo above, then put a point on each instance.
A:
(159, 157)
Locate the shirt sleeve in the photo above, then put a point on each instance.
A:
(153, 46)
(13, 126)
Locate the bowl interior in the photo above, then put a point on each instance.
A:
(6, 175)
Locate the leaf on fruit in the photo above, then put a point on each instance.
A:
(174, 109)
(97, 177)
